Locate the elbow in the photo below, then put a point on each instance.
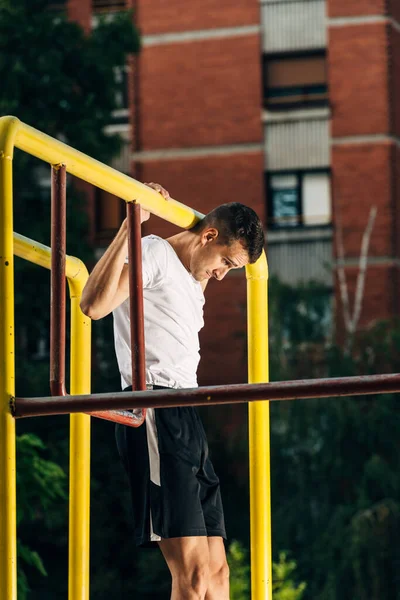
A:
(90, 310)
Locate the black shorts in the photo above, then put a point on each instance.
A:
(175, 491)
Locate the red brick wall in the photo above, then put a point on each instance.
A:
(223, 340)
(161, 16)
(348, 8)
(201, 93)
(196, 94)
(358, 79)
(361, 178)
(203, 183)
(396, 198)
(395, 79)
(380, 297)
(81, 12)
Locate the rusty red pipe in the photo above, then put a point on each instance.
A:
(136, 296)
(136, 319)
(228, 394)
(58, 294)
(57, 279)
(136, 303)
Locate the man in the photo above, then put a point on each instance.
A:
(175, 492)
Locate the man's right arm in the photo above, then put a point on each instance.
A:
(108, 284)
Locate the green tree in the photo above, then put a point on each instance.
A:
(283, 585)
(335, 485)
(41, 491)
(61, 81)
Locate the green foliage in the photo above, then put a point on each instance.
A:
(283, 586)
(41, 487)
(57, 78)
(283, 572)
(239, 568)
(299, 313)
(299, 317)
(60, 80)
(39, 480)
(335, 485)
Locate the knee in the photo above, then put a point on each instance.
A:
(220, 575)
(195, 581)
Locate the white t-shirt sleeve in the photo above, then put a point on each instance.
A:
(154, 261)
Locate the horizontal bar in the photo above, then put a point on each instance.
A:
(40, 255)
(81, 165)
(224, 394)
(15, 133)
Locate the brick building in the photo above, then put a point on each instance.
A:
(286, 105)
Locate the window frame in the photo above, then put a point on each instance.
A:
(108, 6)
(299, 174)
(290, 55)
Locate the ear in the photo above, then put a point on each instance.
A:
(209, 235)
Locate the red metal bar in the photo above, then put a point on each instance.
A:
(136, 303)
(58, 291)
(125, 417)
(228, 394)
(136, 296)
(57, 279)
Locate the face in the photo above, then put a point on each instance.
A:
(212, 259)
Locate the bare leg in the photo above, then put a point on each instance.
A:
(188, 561)
(218, 588)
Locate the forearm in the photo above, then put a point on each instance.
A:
(103, 283)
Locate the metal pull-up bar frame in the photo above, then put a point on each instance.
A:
(57, 303)
(14, 133)
(210, 395)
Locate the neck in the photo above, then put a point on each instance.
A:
(183, 244)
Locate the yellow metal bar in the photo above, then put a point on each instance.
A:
(79, 496)
(259, 438)
(8, 526)
(39, 254)
(48, 149)
(53, 151)
(79, 460)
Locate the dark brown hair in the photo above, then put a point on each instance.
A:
(236, 222)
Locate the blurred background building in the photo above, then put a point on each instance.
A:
(290, 106)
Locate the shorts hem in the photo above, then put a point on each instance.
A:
(146, 543)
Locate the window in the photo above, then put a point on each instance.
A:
(121, 113)
(295, 80)
(102, 6)
(58, 5)
(299, 198)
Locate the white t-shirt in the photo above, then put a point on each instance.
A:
(173, 317)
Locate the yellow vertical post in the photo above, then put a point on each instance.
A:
(8, 527)
(259, 439)
(79, 496)
(80, 424)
